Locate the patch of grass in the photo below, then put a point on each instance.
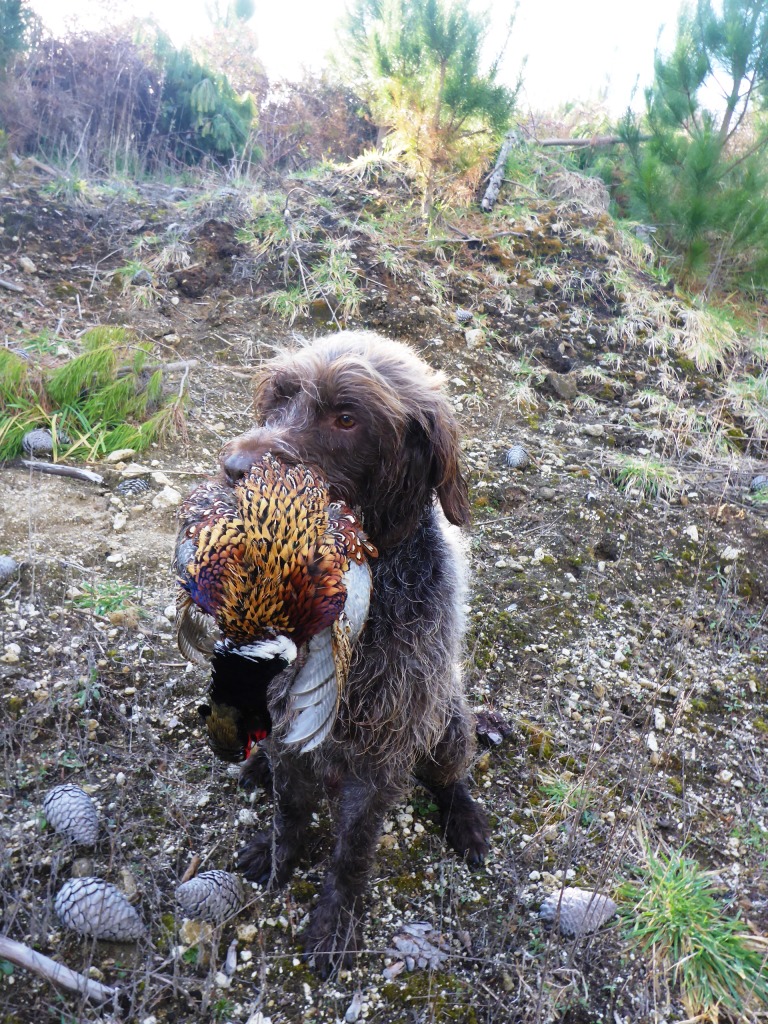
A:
(335, 278)
(651, 477)
(706, 338)
(749, 396)
(103, 399)
(520, 391)
(287, 303)
(672, 912)
(106, 597)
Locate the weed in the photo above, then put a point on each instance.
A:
(335, 278)
(105, 398)
(106, 597)
(673, 913)
(288, 303)
(649, 476)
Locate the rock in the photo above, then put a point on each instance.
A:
(120, 455)
(71, 812)
(8, 568)
(211, 896)
(564, 387)
(475, 337)
(27, 265)
(594, 429)
(576, 911)
(91, 906)
(169, 497)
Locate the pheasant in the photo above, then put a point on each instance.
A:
(271, 574)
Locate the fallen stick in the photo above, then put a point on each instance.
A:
(23, 956)
(10, 286)
(56, 470)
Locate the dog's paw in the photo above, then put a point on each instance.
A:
(330, 940)
(255, 858)
(256, 772)
(468, 834)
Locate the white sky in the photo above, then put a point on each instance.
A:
(576, 49)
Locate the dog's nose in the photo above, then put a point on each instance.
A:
(236, 463)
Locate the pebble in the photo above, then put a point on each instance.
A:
(169, 497)
(27, 265)
(475, 337)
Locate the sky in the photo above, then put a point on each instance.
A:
(577, 50)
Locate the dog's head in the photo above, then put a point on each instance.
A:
(373, 417)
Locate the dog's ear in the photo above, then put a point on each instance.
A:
(447, 478)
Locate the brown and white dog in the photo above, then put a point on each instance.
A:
(373, 417)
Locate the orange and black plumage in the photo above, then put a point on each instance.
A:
(271, 573)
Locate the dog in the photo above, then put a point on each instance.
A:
(373, 417)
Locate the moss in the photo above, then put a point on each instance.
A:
(491, 634)
(761, 725)
(302, 890)
(675, 784)
(447, 997)
(539, 739)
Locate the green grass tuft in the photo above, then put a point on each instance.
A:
(101, 400)
(674, 914)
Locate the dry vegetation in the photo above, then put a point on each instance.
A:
(617, 613)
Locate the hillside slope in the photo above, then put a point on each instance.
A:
(617, 613)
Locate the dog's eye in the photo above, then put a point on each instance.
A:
(344, 420)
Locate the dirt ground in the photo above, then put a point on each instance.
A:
(623, 636)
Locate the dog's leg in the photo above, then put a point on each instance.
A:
(271, 856)
(464, 822)
(334, 932)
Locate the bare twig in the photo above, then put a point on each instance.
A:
(54, 469)
(192, 868)
(24, 956)
(10, 286)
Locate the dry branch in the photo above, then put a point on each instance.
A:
(594, 142)
(497, 175)
(24, 956)
(56, 470)
(10, 286)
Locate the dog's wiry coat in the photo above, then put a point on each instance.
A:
(373, 417)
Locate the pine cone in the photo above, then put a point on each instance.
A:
(91, 906)
(576, 911)
(72, 813)
(211, 896)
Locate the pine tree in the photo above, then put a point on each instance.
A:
(16, 19)
(702, 178)
(419, 64)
